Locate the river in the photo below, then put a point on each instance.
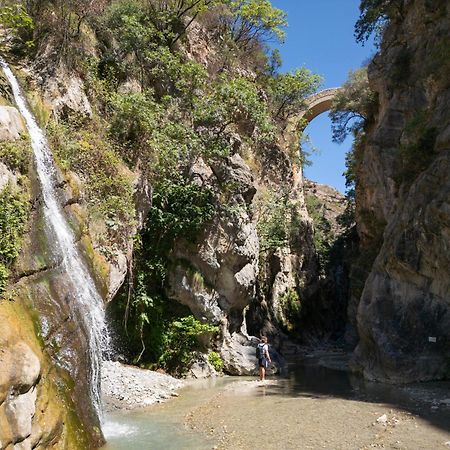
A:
(312, 407)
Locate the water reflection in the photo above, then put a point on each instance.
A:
(308, 378)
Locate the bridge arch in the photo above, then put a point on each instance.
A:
(318, 103)
(314, 105)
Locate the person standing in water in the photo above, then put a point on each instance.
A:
(262, 353)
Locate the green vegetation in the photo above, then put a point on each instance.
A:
(162, 332)
(289, 90)
(374, 16)
(323, 238)
(279, 226)
(233, 101)
(251, 21)
(153, 133)
(16, 154)
(14, 204)
(165, 22)
(279, 223)
(216, 361)
(147, 47)
(109, 194)
(352, 112)
(291, 306)
(181, 338)
(14, 209)
(352, 106)
(15, 20)
(172, 18)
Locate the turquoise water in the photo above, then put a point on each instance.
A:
(161, 427)
(147, 430)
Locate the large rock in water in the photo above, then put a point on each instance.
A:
(404, 313)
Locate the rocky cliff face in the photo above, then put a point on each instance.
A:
(238, 291)
(325, 313)
(403, 202)
(37, 338)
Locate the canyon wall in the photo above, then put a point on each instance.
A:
(403, 205)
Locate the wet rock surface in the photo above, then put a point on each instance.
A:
(35, 406)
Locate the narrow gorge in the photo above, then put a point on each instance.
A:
(154, 210)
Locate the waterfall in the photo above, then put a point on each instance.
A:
(87, 302)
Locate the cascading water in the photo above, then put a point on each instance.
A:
(87, 303)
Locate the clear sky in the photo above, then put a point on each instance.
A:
(320, 37)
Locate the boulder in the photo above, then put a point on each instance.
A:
(64, 92)
(238, 354)
(11, 124)
(20, 369)
(201, 367)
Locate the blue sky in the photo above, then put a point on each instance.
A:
(320, 37)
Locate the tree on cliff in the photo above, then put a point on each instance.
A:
(254, 20)
(374, 16)
(352, 105)
(289, 90)
(18, 25)
(351, 111)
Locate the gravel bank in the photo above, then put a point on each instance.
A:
(128, 387)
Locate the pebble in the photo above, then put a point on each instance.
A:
(382, 419)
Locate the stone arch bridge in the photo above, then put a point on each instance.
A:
(313, 106)
(318, 103)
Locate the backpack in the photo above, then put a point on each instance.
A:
(260, 351)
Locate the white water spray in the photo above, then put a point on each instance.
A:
(88, 304)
